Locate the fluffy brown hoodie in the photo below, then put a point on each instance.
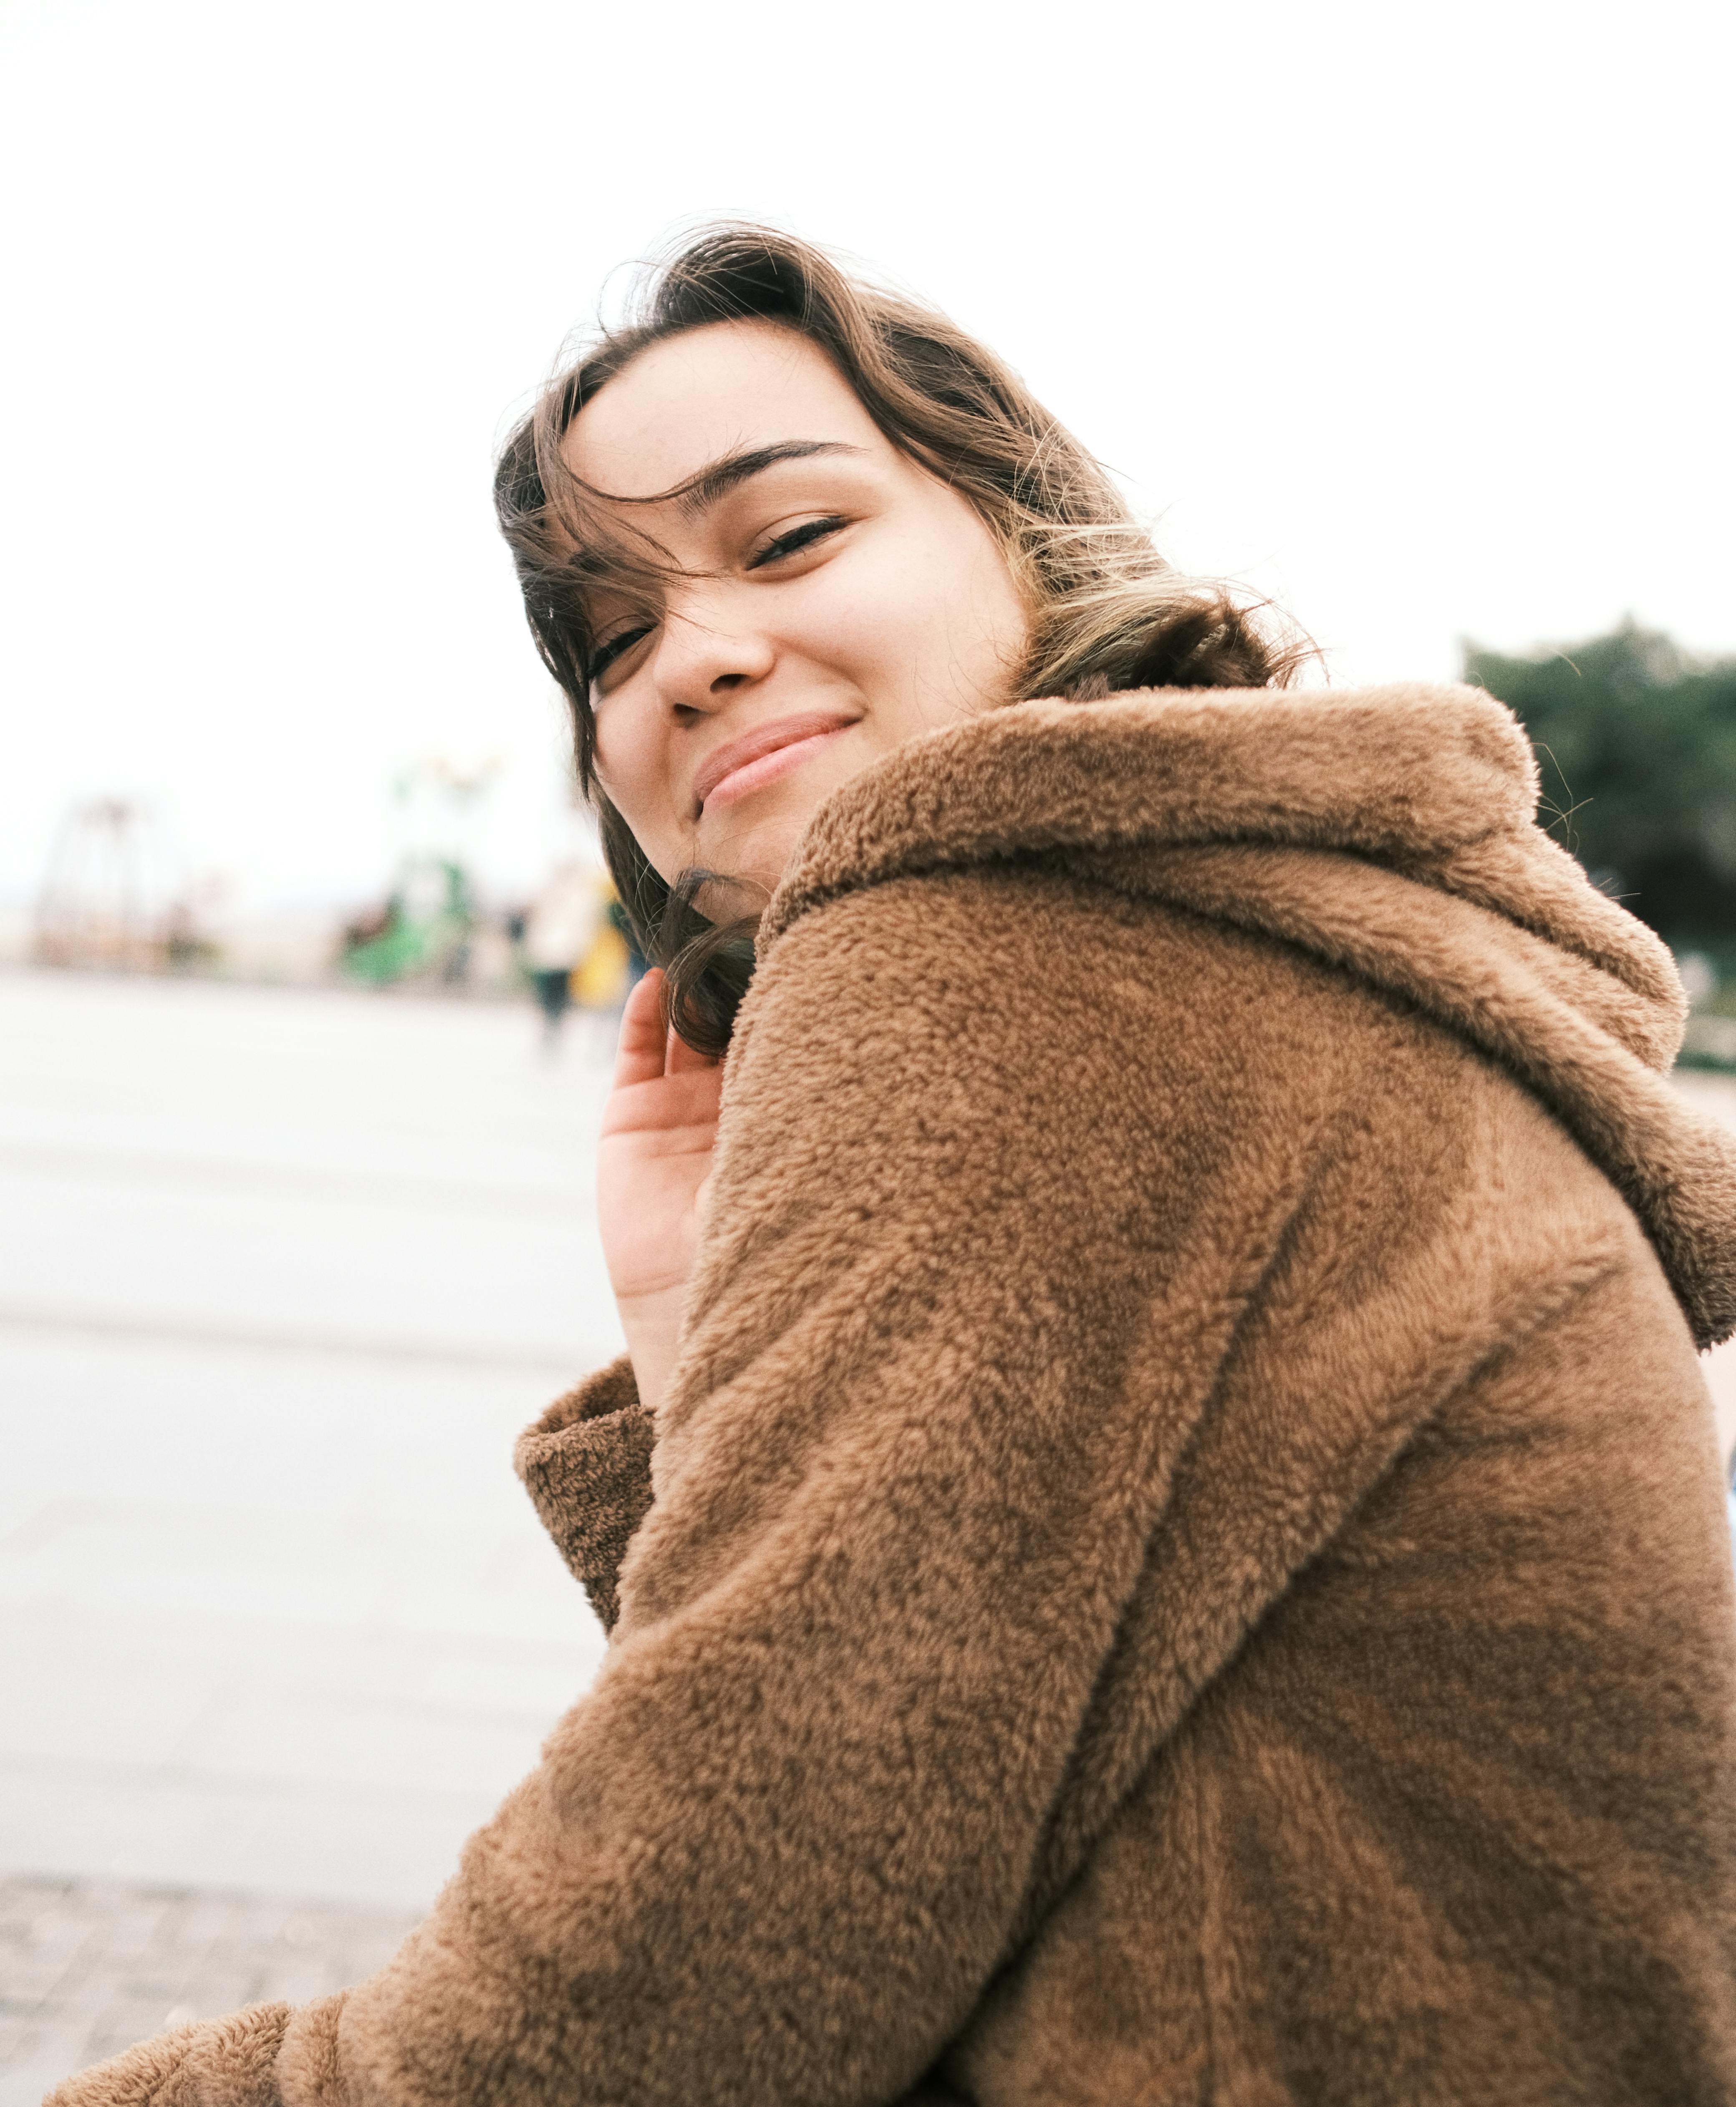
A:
(1183, 1561)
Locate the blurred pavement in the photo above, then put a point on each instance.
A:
(87, 1968)
(281, 1276)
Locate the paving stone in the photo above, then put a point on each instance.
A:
(90, 1967)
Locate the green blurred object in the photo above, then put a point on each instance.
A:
(1636, 742)
(422, 930)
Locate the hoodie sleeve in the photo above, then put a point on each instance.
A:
(586, 1465)
(977, 1245)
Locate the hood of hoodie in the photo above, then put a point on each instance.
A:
(1391, 831)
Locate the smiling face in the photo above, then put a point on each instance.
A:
(830, 600)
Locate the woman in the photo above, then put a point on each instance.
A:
(1160, 1520)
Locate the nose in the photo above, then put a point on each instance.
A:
(703, 656)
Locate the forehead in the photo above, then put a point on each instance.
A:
(697, 398)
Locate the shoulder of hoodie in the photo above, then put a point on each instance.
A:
(1008, 1061)
(1407, 770)
(927, 948)
(1010, 998)
(944, 886)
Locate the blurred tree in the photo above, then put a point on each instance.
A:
(1636, 743)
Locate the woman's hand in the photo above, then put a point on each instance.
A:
(653, 1166)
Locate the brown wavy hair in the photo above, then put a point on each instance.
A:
(1106, 612)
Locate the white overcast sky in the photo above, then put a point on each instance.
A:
(1419, 317)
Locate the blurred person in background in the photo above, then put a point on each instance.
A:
(558, 931)
(613, 965)
(577, 946)
(1160, 1520)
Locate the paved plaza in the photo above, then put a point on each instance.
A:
(88, 1967)
(282, 1273)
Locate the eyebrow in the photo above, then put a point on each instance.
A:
(703, 490)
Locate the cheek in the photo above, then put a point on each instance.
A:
(857, 614)
(904, 607)
(629, 769)
(631, 757)
(612, 756)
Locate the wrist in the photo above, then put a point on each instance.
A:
(652, 1325)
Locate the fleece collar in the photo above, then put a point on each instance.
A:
(1390, 831)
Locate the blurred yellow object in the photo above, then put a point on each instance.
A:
(600, 980)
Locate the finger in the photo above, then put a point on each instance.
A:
(639, 1053)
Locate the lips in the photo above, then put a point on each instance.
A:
(755, 745)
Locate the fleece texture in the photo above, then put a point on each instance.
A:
(1183, 1560)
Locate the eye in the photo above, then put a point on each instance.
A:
(797, 538)
(617, 647)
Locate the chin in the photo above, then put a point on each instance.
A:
(758, 857)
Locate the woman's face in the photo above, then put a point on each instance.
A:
(834, 600)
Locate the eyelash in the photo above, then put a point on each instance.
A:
(798, 538)
(605, 655)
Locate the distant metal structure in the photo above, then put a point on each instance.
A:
(103, 902)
